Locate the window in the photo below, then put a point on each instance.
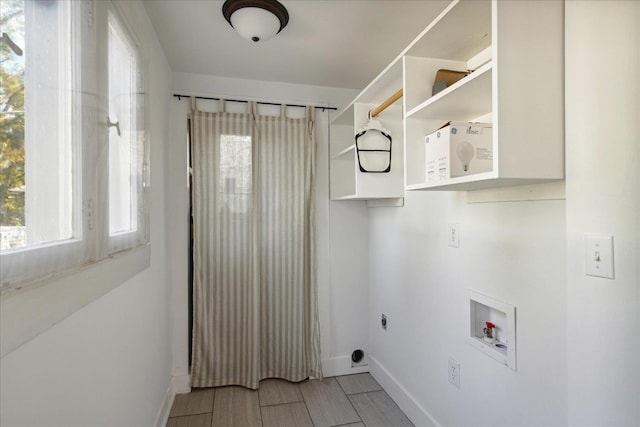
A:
(235, 172)
(40, 187)
(12, 173)
(37, 179)
(64, 199)
(49, 84)
(126, 136)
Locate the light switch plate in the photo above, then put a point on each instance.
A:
(454, 235)
(599, 255)
(454, 373)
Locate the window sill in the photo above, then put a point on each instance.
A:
(28, 312)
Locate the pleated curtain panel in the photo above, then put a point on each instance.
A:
(255, 298)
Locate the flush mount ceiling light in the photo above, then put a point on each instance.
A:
(256, 20)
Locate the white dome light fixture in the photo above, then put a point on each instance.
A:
(256, 20)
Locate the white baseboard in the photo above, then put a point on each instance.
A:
(341, 366)
(165, 409)
(409, 405)
(181, 384)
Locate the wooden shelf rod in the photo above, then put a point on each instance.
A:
(393, 98)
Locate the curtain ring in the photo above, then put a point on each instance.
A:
(223, 105)
(310, 118)
(253, 109)
(283, 111)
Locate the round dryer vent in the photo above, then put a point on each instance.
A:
(357, 356)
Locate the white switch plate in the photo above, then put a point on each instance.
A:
(454, 235)
(599, 255)
(454, 373)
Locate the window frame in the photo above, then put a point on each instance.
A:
(121, 241)
(41, 260)
(35, 265)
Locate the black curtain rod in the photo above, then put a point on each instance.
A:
(177, 95)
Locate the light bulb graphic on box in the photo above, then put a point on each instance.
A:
(458, 149)
(465, 152)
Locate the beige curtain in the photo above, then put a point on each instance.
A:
(255, 309)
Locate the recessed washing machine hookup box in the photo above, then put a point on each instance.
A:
(459, 149)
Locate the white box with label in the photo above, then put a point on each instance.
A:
(459, 149)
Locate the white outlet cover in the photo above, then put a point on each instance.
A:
(453, 373)
(598, 255)
(453, 235)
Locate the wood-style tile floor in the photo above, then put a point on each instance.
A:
(346, 401)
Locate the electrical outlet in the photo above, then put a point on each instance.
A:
(454, 373)
(383, 322)
(454, 235)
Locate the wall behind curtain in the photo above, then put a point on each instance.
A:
(341, 301)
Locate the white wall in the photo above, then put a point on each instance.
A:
(513, 252)
(349, 302)
(578, 344)
(109, 363)
(178, 235)
(603, 196)
(578, 341)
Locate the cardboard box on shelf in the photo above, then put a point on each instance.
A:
(459, 149)
(445, 78)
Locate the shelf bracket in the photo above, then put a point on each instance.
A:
(386, 203)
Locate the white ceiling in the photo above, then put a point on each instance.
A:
(335, 43)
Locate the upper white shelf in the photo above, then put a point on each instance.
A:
(381, 88)
(467, 99)
(519, 89)
(460, 32)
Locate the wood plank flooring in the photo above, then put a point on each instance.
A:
(346, 401)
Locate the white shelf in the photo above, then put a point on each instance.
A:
(465, 100)
(344, 117)
(519, 91)
(477, 182)
(382, 87)
(347, 181)
(342, 181)
(517, 86)
(460, 32)
(459, 183)
(345, 152)
(347, 197)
